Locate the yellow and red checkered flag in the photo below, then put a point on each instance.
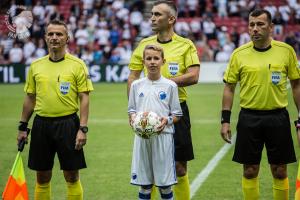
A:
(16, 188)
(297, 195)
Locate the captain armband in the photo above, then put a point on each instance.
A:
(225, 116)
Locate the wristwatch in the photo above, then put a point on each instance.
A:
(84, 129)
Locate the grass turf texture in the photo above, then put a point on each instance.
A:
(109, 147)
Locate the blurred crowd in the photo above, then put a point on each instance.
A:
(103, 31)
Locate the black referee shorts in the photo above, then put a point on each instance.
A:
(258, 128)
(55, 134)
(182, 137)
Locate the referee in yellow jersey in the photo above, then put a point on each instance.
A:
(262, 68)
(53, 87)
(182, 66)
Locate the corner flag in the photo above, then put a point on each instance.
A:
(16, 188)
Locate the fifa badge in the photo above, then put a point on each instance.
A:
(173, 68)
(64, 87)
(275, 77)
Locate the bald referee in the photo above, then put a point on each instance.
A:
(182, 66)
(53, 87)
(262, 68)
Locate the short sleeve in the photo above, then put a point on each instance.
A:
(191, 56)
(175, 104)
(232, 71)
(84, 83)
(30, 82)
(294, 67)
(136, 60)
(131, 100)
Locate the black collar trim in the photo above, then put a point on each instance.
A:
(164, 42)
(57, 60)
(262, 50)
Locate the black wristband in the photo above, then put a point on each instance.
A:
(225, 117)
(297, 123)
(22, 126)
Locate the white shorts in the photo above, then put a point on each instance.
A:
(153, 161)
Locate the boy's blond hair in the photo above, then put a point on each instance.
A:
(154, 48)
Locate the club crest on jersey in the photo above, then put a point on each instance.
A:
(162, 95)
(141, 94)
(275, 77)
(64, 87)
(173, 68)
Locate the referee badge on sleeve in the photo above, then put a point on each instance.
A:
(173, 68)
(64, 87)
(275, 77)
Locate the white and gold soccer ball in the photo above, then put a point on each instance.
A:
(145, 124)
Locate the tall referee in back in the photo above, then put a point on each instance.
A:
(262, 68)
(53, 86)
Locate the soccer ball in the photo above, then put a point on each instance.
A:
(145, 124)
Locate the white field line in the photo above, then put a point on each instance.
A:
(202, 176)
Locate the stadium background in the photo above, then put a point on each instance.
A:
(104, 33)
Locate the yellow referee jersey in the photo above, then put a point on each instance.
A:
(57, 84)
(263, 75)
(180, 53)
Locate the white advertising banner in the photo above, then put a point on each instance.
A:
(212, 72)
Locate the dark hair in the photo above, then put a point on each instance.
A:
(171, 4)
(258, 12)
(57, 22)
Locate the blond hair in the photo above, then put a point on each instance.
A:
(154, 48)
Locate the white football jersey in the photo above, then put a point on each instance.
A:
(159, 96)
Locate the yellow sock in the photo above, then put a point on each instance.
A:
(154, 192)
(75, 191)
(281, 189)
(250, 188)
(42, 191)
(182, 188)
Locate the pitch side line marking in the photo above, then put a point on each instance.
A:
(202, 176)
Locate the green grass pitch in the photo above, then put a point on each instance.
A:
(109, 147)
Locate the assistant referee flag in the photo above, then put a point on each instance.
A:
(16, 188)
(297, 195)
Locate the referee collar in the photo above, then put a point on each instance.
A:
(164, 42)
(56, 60)
(263, 49)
